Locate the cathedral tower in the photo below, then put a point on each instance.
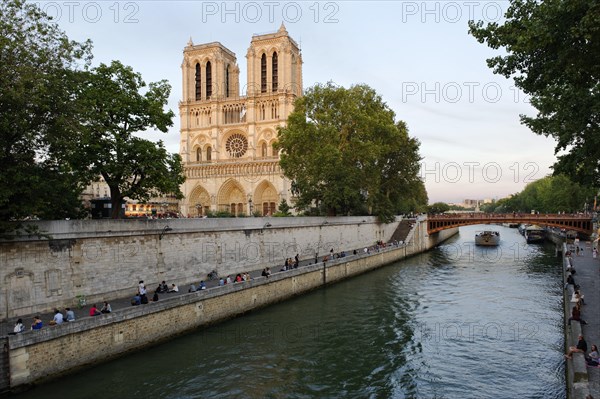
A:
(227, 135)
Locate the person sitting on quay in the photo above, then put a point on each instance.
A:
(37, 323)
(163, 287)
(70, 314)
(192, 288)
(266, 272)
(593, 358)
(576, 315)
(94, 311)
(247, 276)
(174, 288)
(221, 281)
(19, 327)
(202, 285)
(57, 319)
(106, 308)
(143, 293)
(155, 296)
(228, 280)
(571, 281)
(238, 278)
(580, 348)
(136, 300)
(577, 298)
(570, 268)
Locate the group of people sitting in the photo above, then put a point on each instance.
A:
(106, 308)
(37, 324)
(201, 286)
(141, 296)
(577, 299)
(592, 359)
(239, 278)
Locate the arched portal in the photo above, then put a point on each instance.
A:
(199, 202)
(266, 198)
(231, 198)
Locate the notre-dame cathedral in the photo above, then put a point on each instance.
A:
(227, 134)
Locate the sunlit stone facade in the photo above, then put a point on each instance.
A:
(228, 132)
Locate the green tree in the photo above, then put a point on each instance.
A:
(438, 207)
(39, 74)
(283, 209)
(553, 51)
(113, 109)
(551, 194)
(345, 154)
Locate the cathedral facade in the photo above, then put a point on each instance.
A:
(227, 134)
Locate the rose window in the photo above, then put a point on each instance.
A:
(236, 145)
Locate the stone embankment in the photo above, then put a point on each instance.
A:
(34, 356)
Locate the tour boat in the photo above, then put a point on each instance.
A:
(488, 238)
(535, 233)
(522, 228)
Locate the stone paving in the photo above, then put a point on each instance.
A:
(587, 276)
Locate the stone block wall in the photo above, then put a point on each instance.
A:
(105, 259)
(38, 355)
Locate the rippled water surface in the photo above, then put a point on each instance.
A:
(457, 322)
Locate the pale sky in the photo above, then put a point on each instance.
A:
(416, 54)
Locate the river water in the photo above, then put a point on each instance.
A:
(457, 322)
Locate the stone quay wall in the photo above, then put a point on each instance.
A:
(105, 259)
(39, 355)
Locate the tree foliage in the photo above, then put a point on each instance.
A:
(38, 65)
(113, 110)
(438, 207)
(52, 112)
(283, 209)
(552, 194)
(553, 51)
(345, 154)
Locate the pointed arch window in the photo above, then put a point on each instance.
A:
(208, 154)
(227, 81)
(208, 80)
(274, 71)
(263, 73)
(198, 154)
(198, 82)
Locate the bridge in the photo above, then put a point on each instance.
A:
(580, 223)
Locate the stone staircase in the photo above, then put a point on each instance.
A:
(404, 227)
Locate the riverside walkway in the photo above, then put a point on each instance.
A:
(587, 276)
(6, 326)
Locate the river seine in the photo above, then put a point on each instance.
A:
(457, 322)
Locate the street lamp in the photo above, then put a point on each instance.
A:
(164, 230)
